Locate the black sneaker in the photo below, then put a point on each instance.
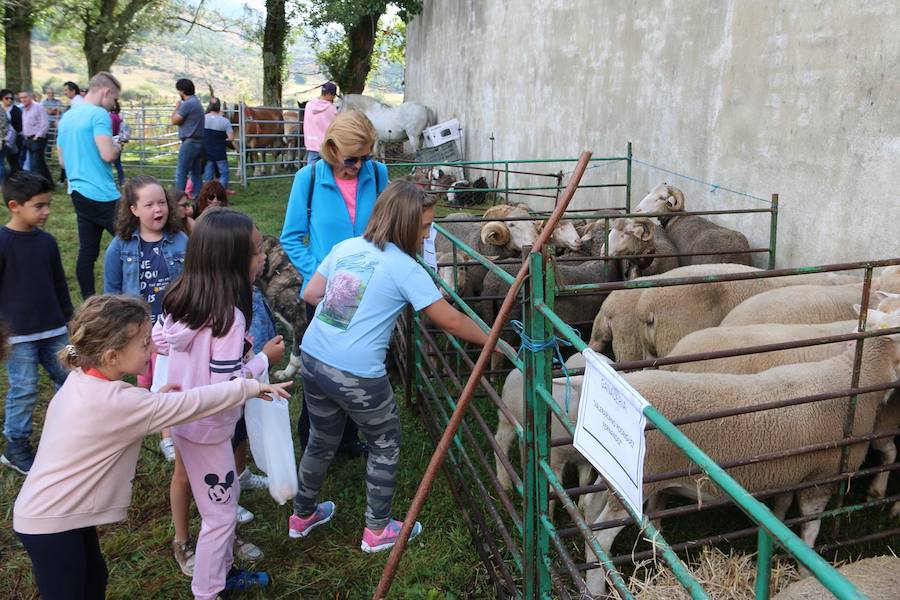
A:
(18, 456)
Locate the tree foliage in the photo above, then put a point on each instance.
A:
(345, 34)
(106, 27)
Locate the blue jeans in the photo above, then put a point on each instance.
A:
(209, 172)
(120, 171)
(22, 369)
(312, 156)
(190, 161)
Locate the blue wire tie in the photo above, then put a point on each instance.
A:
(528, 343)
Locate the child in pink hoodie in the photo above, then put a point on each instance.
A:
(204, 332)
(317, 116)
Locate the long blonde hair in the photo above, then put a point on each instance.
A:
(103, 323)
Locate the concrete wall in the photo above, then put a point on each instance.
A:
(796, 98)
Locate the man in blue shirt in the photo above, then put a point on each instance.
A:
(86, 152)
(188, 115)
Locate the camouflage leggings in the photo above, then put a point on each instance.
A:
(331, 395)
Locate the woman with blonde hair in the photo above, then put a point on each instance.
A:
(331, 201)
(358, 291)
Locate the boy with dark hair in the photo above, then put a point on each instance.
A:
(34, 304)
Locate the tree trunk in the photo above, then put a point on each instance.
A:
(274, 51)
(17, 35)
(98, 59)
(361, 39)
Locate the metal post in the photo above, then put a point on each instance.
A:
(850, 418)
(143, 158)
(411, 354)
(628, 181)
(763, 564)
(242, 137)
(773, 231)
(538, 368)
(506, 179)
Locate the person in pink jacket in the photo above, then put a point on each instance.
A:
(82, 474)
(204, 333)
(317, 116)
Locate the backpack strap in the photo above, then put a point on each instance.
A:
(312, 185)
(377, 178)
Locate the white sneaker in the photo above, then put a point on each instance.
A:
(252, 481)
(167, 447)
(243, 515)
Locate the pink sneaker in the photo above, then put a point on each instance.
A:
(387, 538)
(301, 526)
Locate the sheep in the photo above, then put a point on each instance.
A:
(678, 395)
(616, 324)
(667, 314)
(513, 395)
(889, 280)
(797, 304)
(564, 235)
(571, 309)
(733, 337)
(692, 233)
(509, 237)
(637, 237)
(888, 302)
(730, 338)
(878, 578)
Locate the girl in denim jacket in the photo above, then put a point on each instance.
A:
(146, 256)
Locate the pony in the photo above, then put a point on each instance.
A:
(393, 124)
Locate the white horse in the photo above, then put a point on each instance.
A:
(393, 124)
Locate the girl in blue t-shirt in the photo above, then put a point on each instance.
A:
(358, 290)
(146, 256)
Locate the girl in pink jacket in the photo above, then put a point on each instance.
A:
(207, 312)
(89, 447)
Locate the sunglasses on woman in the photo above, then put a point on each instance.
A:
(351, 161)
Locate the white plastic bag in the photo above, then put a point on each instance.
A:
(269, 430)
(160, 372)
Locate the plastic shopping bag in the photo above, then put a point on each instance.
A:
(269, 430)
(160, 372)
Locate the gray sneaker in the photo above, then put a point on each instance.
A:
(184, 556)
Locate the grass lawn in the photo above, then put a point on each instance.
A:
(329, 564)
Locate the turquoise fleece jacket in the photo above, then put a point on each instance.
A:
(308, 243)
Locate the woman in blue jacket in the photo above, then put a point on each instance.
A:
(331, 201)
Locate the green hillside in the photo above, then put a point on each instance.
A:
(149, 68)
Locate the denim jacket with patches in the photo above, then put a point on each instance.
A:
(121, 268)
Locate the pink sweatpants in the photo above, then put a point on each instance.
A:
(214, 484)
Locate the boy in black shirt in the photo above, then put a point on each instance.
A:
(35, 306)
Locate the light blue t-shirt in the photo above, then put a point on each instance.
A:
(367, 288)
(88, 173)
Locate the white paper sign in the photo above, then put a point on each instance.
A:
(428, 254)
(610, 428)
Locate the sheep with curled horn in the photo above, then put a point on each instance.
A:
(694, 234)
(637, 240)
